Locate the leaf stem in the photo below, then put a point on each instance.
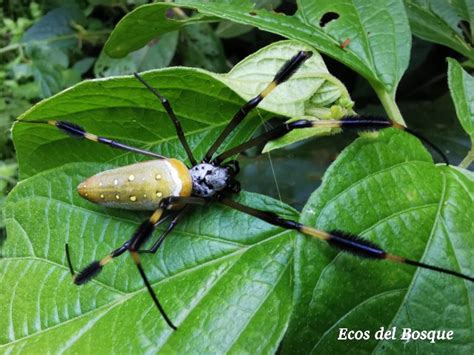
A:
(388, 103)
(10, 47)
(468, 159)
(86, 35)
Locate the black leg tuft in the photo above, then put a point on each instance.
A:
(355, 245)
(71, 129)
(90, 271)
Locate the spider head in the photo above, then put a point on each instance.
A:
(209, 179)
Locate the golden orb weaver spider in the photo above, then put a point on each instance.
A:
(168, 187)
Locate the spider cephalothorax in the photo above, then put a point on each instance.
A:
(209, 180)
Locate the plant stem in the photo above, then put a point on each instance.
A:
(86, 35)
(468, 159)
(10, 47)
(388, 103)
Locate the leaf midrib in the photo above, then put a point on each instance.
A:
(438, 215)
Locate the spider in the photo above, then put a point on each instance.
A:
(170, 188)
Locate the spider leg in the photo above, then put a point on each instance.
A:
(265, 137)
(283, 74)
(341, 240)
(169, 110)
(138, 263)
(93, 269)
(165, 233)
(77, 131)
(359, 123)
(142, 233)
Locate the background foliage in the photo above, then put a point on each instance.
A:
(226, 284)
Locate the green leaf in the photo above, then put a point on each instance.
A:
(153, 56)
(214, 278)
(438, 21)
(47, 66)
(200, 47)
(123, 109)
(377, 31)
(312, 90)
(378, 54)
(55, 28)
(83, 65)
(385, 188)
(461, 86)
(143, 26)
(229, 29)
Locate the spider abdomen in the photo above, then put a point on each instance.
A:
(139, 186)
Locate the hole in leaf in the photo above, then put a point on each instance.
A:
(328, 17)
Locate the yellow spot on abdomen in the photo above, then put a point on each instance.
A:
(131, 178)
(133, 198)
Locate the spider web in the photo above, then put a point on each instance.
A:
(266, 127)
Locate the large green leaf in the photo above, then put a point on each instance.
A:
(378, 31)
(439, 22)
(221, 283)
(122, 108)
(387, 190)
